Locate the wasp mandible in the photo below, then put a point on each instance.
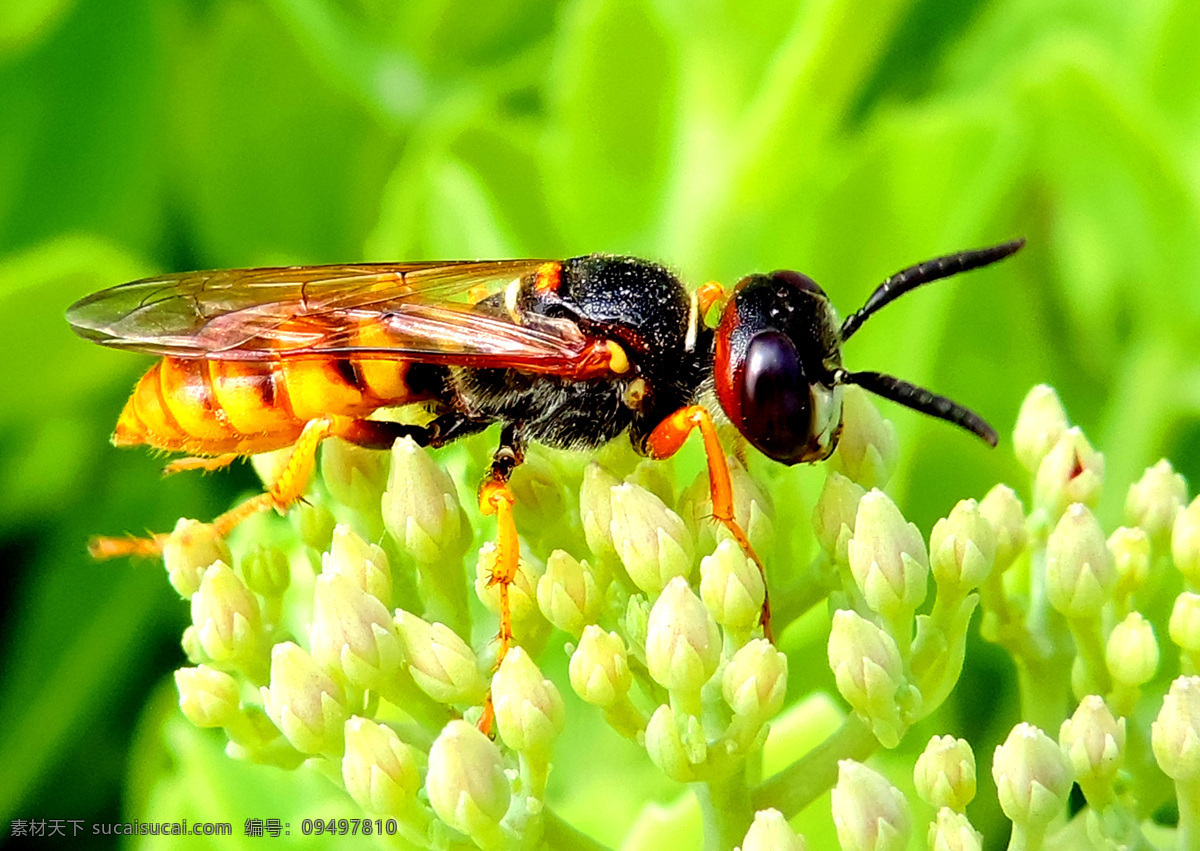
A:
(567, 353)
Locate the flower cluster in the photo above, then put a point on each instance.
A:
(348, 640)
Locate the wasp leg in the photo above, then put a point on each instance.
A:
(208, 465)
(495, 497)
(667, 438)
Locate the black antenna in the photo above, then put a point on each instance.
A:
(920, 399)
(914, 276)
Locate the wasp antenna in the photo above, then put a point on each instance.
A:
(920, 399)
(931, 270)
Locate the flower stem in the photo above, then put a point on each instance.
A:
(806, 779)
(725, 804)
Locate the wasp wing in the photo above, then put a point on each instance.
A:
(446, 312)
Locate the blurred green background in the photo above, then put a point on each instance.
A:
(844, 139)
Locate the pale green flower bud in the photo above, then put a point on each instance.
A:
(421, 508)
(732, 588)
(442, 664)
(683, 645)
(962, 548)
(227, 618)
(595, 509)
(771, 832)
(870, 675)
(679, 753)
(652, 541)
(1094, 742)
(1033, 777)
(1155, 499)
(1131, 654)
(366, 565)
(1040, 423)
(1185, 543)
(540, 497)
(529, 709)
(1080, 574)
(316, 524)
(189, 551)
(868, 449)
(1185, 622)
(887, 558)
(354, 476)
(600, 667)
(870, 814)
(351, 633)
(1175, 734)
(208, 698)
(568, 594)
(835, 514)
(953, 831)
(1071, 472)
(1002, 508)
(268, 465)
(266, 570)
(754, 683)
(1130, 548)
(522, 593)
(306, 705)
(636, 620)
(945, 773)
(466, 784)
(381, 772)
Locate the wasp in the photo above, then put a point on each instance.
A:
(568, 353)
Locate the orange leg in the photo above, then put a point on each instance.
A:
(496, 498)
(668, 437)
(288, 488)
(208, 465)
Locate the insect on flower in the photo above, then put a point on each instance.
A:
(567, 353)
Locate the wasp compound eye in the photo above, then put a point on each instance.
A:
(776, 414)
(798, 280)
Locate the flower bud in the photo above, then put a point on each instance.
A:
(680, 753)
(835, 514)
(1130, 550)
(1155, 499)
(354, 476)
(953, 831)
(753, 509)
(315, 523)
(870, 814)
(226, 616)
(595, 509)
(868, 449)
(962, 548)
(771, 832)
(870, 675)
(1175, 734)
(600, 667)
(351, 633)
(887, 558)
(189, 551)
(266, 571)
(306, 705)
(754, 683)
(652, 541)
(568, 594)
(1185, 543)
(541, 499)
(529, 709)
(1040, 423)
(466, 783)
(421, 508)
(1033, 777)
(381, 773)
(1185, 622)
(1080, 575)
(1094, 742)
(441, 663)
(208, 698)
(366, 565)
(732, 588)
(522, 593)
(683, 645)
(945, 773)
(1131, 654)
(1002, 508)
(1071, 472)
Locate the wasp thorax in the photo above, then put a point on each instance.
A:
(775, 350)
